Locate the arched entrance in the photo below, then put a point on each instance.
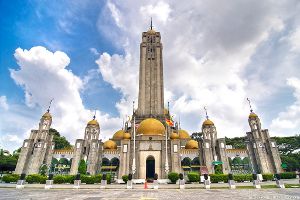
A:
(150, 167)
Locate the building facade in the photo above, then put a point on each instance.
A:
(149, 143)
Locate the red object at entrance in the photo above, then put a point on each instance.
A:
(146, 184)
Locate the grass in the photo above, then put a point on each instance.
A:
(292, 185)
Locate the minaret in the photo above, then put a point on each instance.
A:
(151, 92)
(262, 150)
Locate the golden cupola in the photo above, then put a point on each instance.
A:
(174, 136)
(191, 144)
(127, 136)
(47, 115)
(93, 122)
(252, 115)
(119, 135)
(207, 122)
(151, 126)
(183, 134)
(109, 144)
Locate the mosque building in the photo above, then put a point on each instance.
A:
(150, 143)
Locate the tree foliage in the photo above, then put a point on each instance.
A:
(82, 167)
(8, 162)
(60, 141)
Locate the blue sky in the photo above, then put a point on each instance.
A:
(85, 55)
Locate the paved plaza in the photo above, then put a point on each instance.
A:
(189, 194)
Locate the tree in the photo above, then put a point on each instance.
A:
(43, 170)
(60, 141)
(237, 142)
(82, 167)
(198, 136)
(288, 145)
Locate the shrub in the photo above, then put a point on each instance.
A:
(108, 178)
(82, 167)
(88, 179)
(69, 179)
(215, 178)
(267, 177)
(36, 178)
(193, 177)
(173, 177)
(242, 177)
(59, 179)
(98, 178)
(288, 175)
(125, 178)
(11, 178)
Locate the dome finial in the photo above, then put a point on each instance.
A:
(94, 117)
(151, 24)
(48, 110)
(206, 112)
(251, 110)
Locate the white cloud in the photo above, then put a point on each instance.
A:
(3, 103)
(45, 75)
(289, 120)
(208, 46)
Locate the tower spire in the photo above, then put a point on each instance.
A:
(94, 117)
(133, 107)
(206, 112)
(151, 24)
(48, 110)
(251, 110)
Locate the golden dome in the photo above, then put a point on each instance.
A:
(127, 136)
(184, 134)
(191, 144)
(93, 122)
(151, 31)
(151, 126)
(109, 144)
(174, 136)
(252, 115)
(207, 122)
(119, 135)
(47, 115)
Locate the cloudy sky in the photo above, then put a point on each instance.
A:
(85, 55)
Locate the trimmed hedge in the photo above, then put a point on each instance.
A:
(288, 175)
(173, 177)
(193, 177)
(242, 177)
(88, 179)
(215, 178)
(268, 177)
(9, 178)
(59, 179)
(125, 178)
(36, 178)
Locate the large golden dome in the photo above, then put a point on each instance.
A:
(174, 136)
(151, 126)
(109, 144)
(127, 136)
(184, 134)
(191, 144)
(119, 135)
(47, 115)
(252, 115)
(207, 122)
(93, 122)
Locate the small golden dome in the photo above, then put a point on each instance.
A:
(119, 135)
(93, 122)
(207, 122)
(151, 31)
(47, 115)
(174, 136)
(109, 144)
(191, 144)
(127, 136)
(252, 115)
(151, 126)
(184, 134)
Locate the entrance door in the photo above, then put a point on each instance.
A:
(150, 167)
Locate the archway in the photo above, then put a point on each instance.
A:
(150, 167)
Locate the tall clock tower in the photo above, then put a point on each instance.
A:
(151, 92)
